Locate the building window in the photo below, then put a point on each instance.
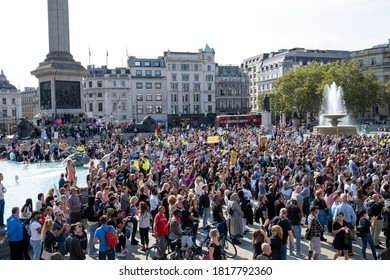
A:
(140, 109)
(157, 73)
(210, 109)
(373, 61)
(173, 109)
(148, 85)
(149, 109)
(174, 76)
(158, 97)
(209, 78)
(5, 113)
(148, 73)
(90, 107)
(138, 85)
(156, 63)
(147, 63)
(196, 97)
(138, 72)
(196, 67)
(123, 83)
(113, 83)
(209, 86)
(186, 87)
(173, 66)
(90, 95)
(185, 77)
(13, 101)
(157, 85)
(137, 63)
(196, 109)
(174, 86)
(185, 67)
(196, 87)
(209, 99)
(361, 63)
(196, 77)
(140, 97)
(149, 97)
(90, 84)
(173, 97)
(99, 84)
(100, 94)
(208, 67)
(158, 109)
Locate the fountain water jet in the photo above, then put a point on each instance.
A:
(333, 116)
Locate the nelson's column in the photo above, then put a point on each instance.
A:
(60, 76)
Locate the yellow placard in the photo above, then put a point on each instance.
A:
(212, 139)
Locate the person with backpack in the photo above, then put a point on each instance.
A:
(285, 224)
(102, 235)
(364, 226)
(160, 221)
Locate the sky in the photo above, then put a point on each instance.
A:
(237, 30)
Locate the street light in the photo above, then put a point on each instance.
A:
(205, 116)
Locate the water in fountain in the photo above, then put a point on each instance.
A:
(27, 180)
(333, 104)
(333, 117)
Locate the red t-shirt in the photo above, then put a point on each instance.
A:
(160, 220)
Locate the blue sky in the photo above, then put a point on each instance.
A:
(235, 29)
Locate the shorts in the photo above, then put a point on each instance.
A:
(315, 245)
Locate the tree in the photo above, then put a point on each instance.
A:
(299, 89)
(303, 88)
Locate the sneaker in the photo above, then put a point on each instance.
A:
(134, 242)
(293, 254)
(121, 254)
(300, 255)
(236, 242)
(379, 247)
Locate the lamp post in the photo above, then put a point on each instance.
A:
(205, 117)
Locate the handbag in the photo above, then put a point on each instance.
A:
(308, 234)
(46, 255)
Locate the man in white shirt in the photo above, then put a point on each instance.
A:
(36, 239)
(350, 187)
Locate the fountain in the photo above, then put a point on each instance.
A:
(333, 116)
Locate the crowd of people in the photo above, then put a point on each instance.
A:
(164, 185)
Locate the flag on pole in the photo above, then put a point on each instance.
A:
(157, 135)
(106, 52)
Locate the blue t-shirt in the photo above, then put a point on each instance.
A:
(100, 234)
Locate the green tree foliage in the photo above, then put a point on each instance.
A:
(300, 89)
(303, 88)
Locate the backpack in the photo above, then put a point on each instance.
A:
(274, 221)
(166, 228)
(360, 231)
(231, 211)
(110, 238)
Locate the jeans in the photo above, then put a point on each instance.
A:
(92, 230)
(62, 248)
(283, 251)
(297, 234)
(368, 239)
(376, 231)
(109, 254)
(2, 204)
(36, 246)
(206, 214)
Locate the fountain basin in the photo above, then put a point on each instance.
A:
(344, 130)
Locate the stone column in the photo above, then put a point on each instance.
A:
(58, 26)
